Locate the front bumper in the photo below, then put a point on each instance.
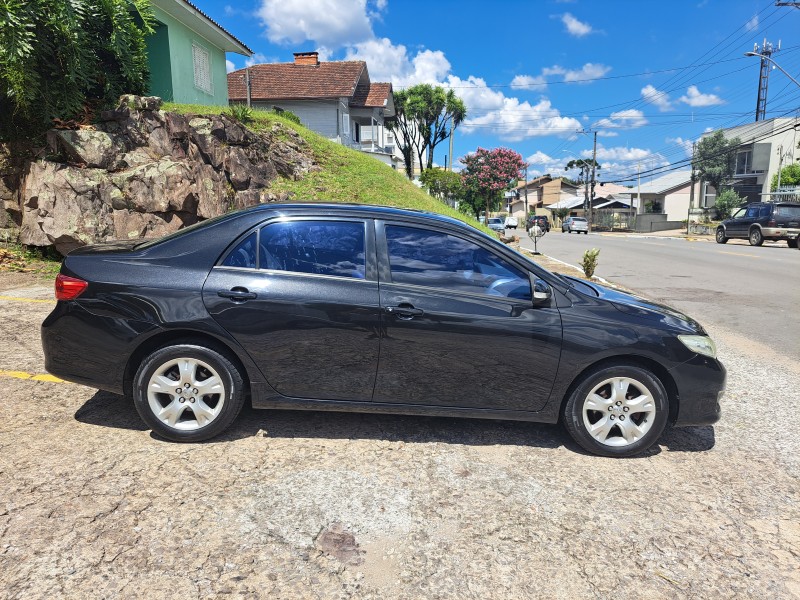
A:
(701, 385)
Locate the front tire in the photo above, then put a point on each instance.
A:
(756, 238)
(617, 411)
(188, 393)
(720, 237)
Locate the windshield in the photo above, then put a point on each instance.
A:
(495, 221)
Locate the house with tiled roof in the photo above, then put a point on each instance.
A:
(336, 99)
(186, 54)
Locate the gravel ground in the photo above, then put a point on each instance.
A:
(326, 505)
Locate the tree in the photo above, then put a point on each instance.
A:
(561, 213)
(715, 159)
(424, 117)
(489, 172)
(445, 185)
(727, 201)
(63, 58)
(790, 176)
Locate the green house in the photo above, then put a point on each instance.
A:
(187, 54)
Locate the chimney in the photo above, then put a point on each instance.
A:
(306, 58)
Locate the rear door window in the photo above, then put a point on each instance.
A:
(317, 247)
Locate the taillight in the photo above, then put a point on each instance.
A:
(69, 288)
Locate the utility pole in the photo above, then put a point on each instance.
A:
(691, 193)
(452, 129)
(594, 164)
(247, 84)
(639, 188)
(765, 52)
(527, 206)
(780, 166)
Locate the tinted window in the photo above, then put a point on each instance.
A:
(321, 247)
(244, 254)
(788, 211)
(764, 212)
(423, 257)
(752, 212)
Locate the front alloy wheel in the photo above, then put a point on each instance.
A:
(721, 239)
(188, 393)
(617, 411)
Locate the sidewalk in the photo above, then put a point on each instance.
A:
(670, 233)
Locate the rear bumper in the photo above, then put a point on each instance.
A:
(701, 385)
(780, 233)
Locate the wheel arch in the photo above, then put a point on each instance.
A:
(656, 368)
(180, 336)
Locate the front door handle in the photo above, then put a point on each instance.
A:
(405, 312)
(238, 294)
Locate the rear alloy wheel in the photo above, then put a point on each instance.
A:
(721, 239)
(617, 411)
(755, 237)
(188, 393)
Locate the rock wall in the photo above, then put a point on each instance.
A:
(143, 172)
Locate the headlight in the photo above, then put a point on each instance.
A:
(699, 343)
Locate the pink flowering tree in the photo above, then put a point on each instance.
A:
(487, 173)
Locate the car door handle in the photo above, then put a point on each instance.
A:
(238, 294)
(404, 311)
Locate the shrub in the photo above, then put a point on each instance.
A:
(240, 112)
(589, 261)
(727, 202)
(286, 114)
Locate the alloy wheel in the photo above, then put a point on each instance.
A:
(619, 411)
(186, 394)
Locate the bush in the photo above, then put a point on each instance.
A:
(286, 114)
(589, 261)
(727, 202)
(240, 112)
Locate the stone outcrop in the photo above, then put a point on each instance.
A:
(143, 172)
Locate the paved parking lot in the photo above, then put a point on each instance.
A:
(327, 505)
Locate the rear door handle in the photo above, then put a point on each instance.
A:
(238, 294)
(405, 312)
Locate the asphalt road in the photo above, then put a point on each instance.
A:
(735, 290)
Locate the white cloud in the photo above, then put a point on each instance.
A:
(540, 163)
(587, 71)
(229, 66)
(623, 119)
(332, 23)
(697, 99)
(574, 26)
(685, 144)
(752, 24)
(619, 153)
(258, 59)
(659, 99)
(389, 62)
(514, 121)
(529, 82)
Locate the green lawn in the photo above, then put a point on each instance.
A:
(347, 175)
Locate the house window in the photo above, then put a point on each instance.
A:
(202, 69)
(744, 162)
(390, 138)
(345, 124)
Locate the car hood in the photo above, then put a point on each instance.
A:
(647, 310)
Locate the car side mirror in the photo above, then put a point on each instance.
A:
(541, 292)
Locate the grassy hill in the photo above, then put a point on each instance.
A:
(347, 175)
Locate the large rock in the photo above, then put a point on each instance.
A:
(143, 172)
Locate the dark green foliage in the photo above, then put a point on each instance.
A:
(727, 201)
(240, 112)
(286, 114)
(442, 184)
(589, 262)
(64, 59)
(715, 159)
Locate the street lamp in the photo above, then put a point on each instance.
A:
(765, 57)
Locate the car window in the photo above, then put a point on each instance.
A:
(739, 214)
(788, 211)
(579, 219)
(752, 212)
(431, 258)
(244, 255)
(320, 247)
(764, 212)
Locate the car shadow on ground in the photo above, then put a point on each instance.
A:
(104, 409)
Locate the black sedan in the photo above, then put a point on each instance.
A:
(357, 308)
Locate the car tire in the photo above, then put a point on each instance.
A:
(720, 236)
(792, 243)
(755, 237)
(168, 392)
(617, 411)
(586, 232)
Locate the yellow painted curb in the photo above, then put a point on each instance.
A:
(31, 376)
(17, 299)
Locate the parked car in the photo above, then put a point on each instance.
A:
(577, 224)
(342, 307)
(511, 222)
(541, 220)
(761, 221)
(497, 224)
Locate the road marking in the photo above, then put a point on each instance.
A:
(18, 299)
(739, 254)
(31, 376)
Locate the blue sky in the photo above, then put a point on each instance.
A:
(648, 76)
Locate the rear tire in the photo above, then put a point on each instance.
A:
(188, 393)
(720, 237)
(792, 243)
(755, 237)
(617, 411)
